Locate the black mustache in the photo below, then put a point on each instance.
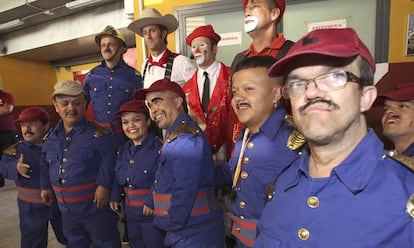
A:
(71, 112)
(28, 132)
(328, 102)
(242, 104)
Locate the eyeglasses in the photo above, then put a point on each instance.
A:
(326, 82)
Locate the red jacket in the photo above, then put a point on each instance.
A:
(221, 125)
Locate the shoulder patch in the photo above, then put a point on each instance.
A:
(183, 128)
(100, 131)
(11, 150)
(404, 160)
(296, 139)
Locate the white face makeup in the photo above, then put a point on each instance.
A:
(250, 23)
(199, 49)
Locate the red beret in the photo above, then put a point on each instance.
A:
(338, 43)
(33, 114)
(281, 4)
(204, 31)
(403, 92)
(160, 85)
(136, 106)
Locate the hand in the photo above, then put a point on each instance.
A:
(101, 196)
(114, 206)
(146, 211)
(47, 197)
(22, 168)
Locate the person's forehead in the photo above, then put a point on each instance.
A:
(151, 26)
(201, 39)
(156, 94)
(129, 114)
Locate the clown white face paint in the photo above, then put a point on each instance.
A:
(199, 49)
(250, 23)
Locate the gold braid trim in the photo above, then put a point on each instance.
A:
(100, 131)
(183, 128)
(11, 150)
(296, 139)
(404, 160)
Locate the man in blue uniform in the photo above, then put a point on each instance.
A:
(112, 83)
(398, 118)
(136, 164)
(184, 202)
(344, 191)
(20, 163)
(262, 150)
(78, 161)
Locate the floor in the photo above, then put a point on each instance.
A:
(9, 220)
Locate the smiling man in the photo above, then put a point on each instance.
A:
(262, 151)
(398, 118)
(77, 166)
(111, 83)
(333, 194)
(184, 202)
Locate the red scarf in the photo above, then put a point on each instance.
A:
(161, 63)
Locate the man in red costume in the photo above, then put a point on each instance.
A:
(208, 93)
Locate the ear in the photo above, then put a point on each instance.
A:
(164, 34)
(214, 49)
(368, 96)
(56, 106)
(178, 101)
(277, 93)
(274, 14)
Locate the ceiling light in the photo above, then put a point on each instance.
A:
(11, 24)
(80, 3)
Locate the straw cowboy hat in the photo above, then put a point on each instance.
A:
(110, 31)
(152, 16)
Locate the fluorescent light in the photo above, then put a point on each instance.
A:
(80, 3)
(11, 24)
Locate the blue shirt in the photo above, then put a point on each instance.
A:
(361, 204)
(409, 152)
(106, 89)
(186, 167)
(135, 169)
(266, 155)
(84, 155)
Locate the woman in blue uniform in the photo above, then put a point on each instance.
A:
(135, 172)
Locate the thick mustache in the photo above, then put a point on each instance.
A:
(28, 132)
(310, 103)
(242, 104)
(71, 112)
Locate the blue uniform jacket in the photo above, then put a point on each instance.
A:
(186, 167)
(8, 169)
(265, 156)
(84, 155)
(135, 169)
(409, 152)
(106, 89)
(362, 204)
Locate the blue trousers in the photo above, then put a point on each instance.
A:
(100, 228)
(143, 234)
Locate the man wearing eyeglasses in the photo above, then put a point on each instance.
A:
(343, 191)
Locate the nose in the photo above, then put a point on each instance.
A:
(312, 91)
(246, 12)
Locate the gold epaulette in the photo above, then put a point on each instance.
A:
(296, 138)
(183, 128)
(11, 150)
(404, 160)
(100, 131)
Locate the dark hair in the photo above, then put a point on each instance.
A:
(164, 28)
(253, 62)
(367, 74)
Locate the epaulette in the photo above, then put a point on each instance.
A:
(91, 70)
(100, 131)
(47, 134)
(296, 139)
(137, 72)
(11, 150)
(183, 128)
(404, 160)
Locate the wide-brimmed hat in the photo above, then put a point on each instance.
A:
(151, 16)
(111, 31)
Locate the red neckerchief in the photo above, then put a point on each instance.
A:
(161, 63)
